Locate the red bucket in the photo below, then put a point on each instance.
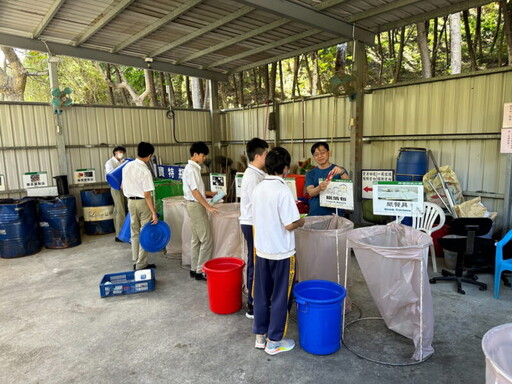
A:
(224, 284)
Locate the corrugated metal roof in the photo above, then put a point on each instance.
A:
(208, 38)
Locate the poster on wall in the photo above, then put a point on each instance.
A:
(398, 198)
(506, 140)
(338, 194)
(2, 183)
(84, 176)
(35, 179)
(507, 115)
(218, 182)
(238, 184)
(292, 184)
(368, 176)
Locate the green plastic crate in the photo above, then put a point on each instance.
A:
(166, 188)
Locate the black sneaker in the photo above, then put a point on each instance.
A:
(250, 312)
(200, 276)
(193, 274)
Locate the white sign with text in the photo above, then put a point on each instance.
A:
(339, 194)
(398, 198)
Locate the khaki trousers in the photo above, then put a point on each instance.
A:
(201, 244)
(140, 215)
(119, 209)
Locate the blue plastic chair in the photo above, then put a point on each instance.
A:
(501, 265)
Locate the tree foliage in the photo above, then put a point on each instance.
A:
(486, 42)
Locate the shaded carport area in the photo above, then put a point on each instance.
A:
(55, 328)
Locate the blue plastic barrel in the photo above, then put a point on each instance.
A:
(125, 234)
(58, 222)
(411, 164)
(98, 209)
(319, 315)
(19, 232)
(115, 177)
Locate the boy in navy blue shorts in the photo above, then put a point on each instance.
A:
(275, 216)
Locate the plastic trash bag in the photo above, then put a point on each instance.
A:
(452, 183)
(390, 260)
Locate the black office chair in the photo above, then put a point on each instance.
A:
(471, 251)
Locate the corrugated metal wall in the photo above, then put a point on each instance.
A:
(27, 138)
(421, 115)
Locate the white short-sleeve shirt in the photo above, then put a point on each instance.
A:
(252, 177)
(137, 179)
(112, 164)
(273, 207)
(192, 180)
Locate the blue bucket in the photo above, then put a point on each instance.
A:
(125, 233)
(98, 209)
(411, 164)
(319, 315)
(115, 177)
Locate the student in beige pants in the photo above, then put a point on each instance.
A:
(137, 187)
(198, 208)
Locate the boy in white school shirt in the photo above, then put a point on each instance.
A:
(275, 216)
(137, 187)
(198, 208)
(117, 195)
(256, 150)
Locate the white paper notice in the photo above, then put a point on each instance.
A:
(506, 140)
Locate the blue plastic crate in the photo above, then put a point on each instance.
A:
(124, 283)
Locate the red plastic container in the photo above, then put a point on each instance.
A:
(225, 276)
(300, 181)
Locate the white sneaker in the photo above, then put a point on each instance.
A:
(275, 347)
(260, 342)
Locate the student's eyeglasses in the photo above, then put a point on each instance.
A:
(316, 154)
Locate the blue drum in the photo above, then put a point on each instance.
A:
(98, 209)
(19, 232)
(58, 222)
(411, 164)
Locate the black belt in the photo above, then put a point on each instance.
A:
(135, 198)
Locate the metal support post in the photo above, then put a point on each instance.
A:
(214, 122)
(60, 137)
(356, 127)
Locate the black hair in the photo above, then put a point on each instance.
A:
(319, 144)
(199, 147)
(119, 148)
(276, 160)
(254, 147)
(145, 149)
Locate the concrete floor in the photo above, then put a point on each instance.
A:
(55, 328)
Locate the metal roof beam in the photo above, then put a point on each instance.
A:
(287, 55)
(47, 18)
(234, 40)
(265, 47)
(102, 22)
(107, 57)
(443, 11)
(382, 9)
(313, 18)
(258, 31)
(157, 24)
(207, 28)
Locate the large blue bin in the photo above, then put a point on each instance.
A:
(115, 177)
(411, 164)
(319, 315)
(19, 232)
(57, 218)
(98, 209)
